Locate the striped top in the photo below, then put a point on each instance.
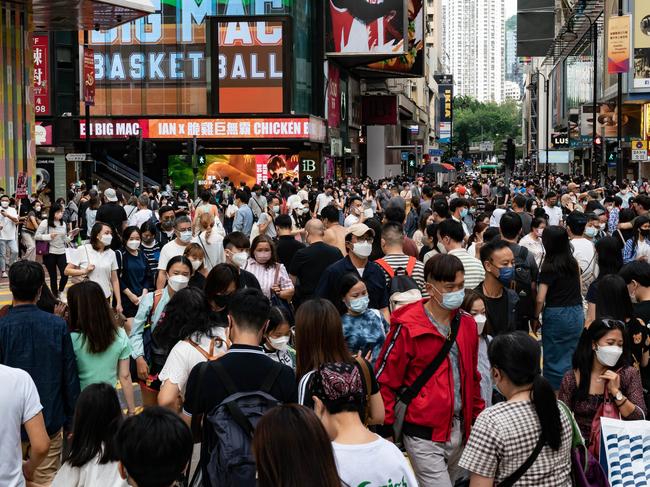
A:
(474, 271)
(266, 276)
(397, 261)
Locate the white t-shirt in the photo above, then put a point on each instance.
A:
(376, 463)
(104, 262)
(92, 473)
(350, 220)
(8, 231)
(16, 408)
(140, 216)
(584, 252)
(169, 250)
(183, 357)
(322, 200)
(554, 214)
(213, 248)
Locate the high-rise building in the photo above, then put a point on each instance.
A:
(514, 68)
(474, 47)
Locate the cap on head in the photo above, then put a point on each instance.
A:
(110, 194)
(360, 229)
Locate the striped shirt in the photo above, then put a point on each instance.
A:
(397, 261)
(474, 271)
(266, 276)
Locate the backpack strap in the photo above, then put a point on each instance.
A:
(513, 478)
(386, 266)
(157, 296)
(361, 363)
(411, 266)
(225, 378)
(209, 356)
(271, 377)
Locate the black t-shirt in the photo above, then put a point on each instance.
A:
(642, 311)
(308, 265)
(526, 221)
(248, 368)
(247, 279)
(496, 311)
(562, 290)
(287, 247)
(182, 205)
(197, 280)
(112, 214)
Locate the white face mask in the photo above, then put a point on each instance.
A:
(480, 322)
(106, 239)
(185, 236)
(362, 249)
(609, 355)
(178, 282)
(133, 244)
(280, 344)
(196, 264)
(5, 204)
(240, 258)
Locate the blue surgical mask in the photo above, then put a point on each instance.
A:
(451, 300)
(591, 232)
(464, 212)
(506, 275)
(359, 305)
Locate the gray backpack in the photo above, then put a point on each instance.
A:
(231, 462)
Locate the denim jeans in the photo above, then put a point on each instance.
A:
(561, 330)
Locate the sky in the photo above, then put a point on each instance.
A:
(511, 8)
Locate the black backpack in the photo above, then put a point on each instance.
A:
(523, 286)
(231, 462)
(400, 279)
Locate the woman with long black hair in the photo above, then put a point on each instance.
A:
(610, 261)
(528, 423)
(638, 246)
(559, 298)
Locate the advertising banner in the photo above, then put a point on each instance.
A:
(114, 128)
(379, 110)
(410, 63)
(248, 168)
(641, 44)
(250, 66)
(618, 44)
(89, 77)
(333, 96)
(362, 28)
(41, 75)
(446, 94)
(43, 133)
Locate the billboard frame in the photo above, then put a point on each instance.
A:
(212, 53)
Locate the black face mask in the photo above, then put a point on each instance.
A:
(167, 224)
(644, 233)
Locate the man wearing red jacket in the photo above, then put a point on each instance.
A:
(439, 418)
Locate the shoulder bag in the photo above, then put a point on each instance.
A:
(514, 477)
(408, 393)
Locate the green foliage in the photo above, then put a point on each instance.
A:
(496, 122)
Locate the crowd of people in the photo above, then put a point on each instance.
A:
(359, 333)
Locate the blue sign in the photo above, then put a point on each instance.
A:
(468, 162)
(436, 152)
(405, 156)
(455, 159)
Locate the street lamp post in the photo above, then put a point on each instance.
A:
(546, 121)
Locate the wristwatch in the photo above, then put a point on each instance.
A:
(618, 396)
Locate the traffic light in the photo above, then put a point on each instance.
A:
(612, 154)
(188, 149)
(598, 149)
(131, 154)
(149, 152)
(200, 155)
(510, 154)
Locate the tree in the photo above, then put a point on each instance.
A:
(475, 121)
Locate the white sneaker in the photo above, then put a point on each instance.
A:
(4, 274)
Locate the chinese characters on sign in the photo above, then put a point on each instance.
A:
(41, 75)
(618, 45)
(262, 128)
(89, 77)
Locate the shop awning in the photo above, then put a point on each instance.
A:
(434, 167)
(69, 15)
(449, 167)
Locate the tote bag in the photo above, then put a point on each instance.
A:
(625, 451)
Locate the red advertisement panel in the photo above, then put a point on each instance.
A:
(89, 76)
(41, 75)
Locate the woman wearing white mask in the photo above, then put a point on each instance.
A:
(474, 305)
(133, 272)
(364, 328)
(148, 362)
(97, 262)
(272, 276)
(277, 337)
(601, 366)
(196, 255)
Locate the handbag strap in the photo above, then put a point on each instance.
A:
(514, 477)
(367, 383)
(414, 389)
(277, 274)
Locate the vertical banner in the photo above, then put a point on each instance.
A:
(446, 95)
(618, 45)
(333, 96)
(641, 44)
(41, 75)
(89, 76)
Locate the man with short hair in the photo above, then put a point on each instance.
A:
(500, 301)
(8, 237)
(397, 214)
(310, 262)
(324, 199)
(451, 236)
(258, 203)
(427, 199)
(356, 212)
(183, 231)
(245, 363)
(394, 260)
(40, 344)
(244, 217)
(551, 209)
(519, 207)
(236, 251)
(113, 214)
(439, 421)
(144, 214)
(440, 210)
(286, 245)
(153, 448)
(334, 232)
(583, 248)
(358, 245)
(459, 209)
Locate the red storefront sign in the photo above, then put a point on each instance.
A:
(114, 129)
(89, 76)
(41, 75)
(230, 128)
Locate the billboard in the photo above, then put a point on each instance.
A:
(366, 27)
(618, 44)
(249, 65)
(248, 168)
(157, 65)
(411, 63)
(446, 110)
(42, 75)
(641, 44)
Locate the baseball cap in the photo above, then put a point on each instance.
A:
(360, 229)
(110, 194)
